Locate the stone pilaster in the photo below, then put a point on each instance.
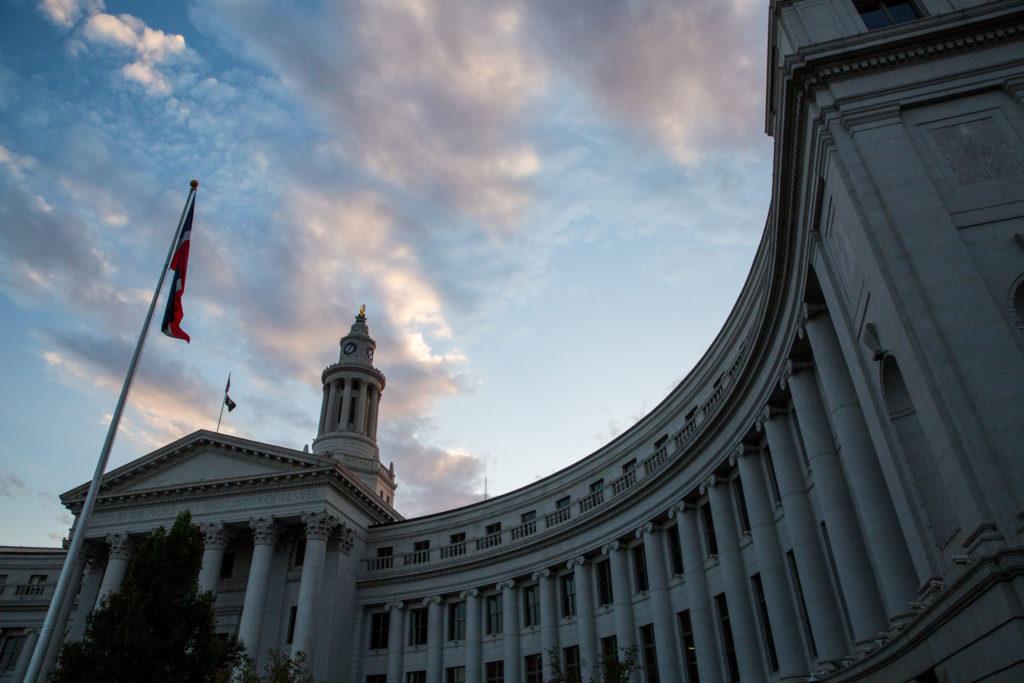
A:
(585, 627)
(622, 597)
(435, 637)
(396, 642)
(704, 630)
(319, 526)
(548, 615)
(661, 606)
(474, 637)
(264, 536)
(510, 627)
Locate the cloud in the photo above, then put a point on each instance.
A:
(12, 486)
(430, 478)
(66, 13)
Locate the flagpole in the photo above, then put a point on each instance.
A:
(78, 534)
(223, 400)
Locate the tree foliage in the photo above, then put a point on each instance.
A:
(608, 669)
(280, 668)
(158, 627)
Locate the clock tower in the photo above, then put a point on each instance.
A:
(348, 415)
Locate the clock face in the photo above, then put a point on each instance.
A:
(349, 349)
(369, 353)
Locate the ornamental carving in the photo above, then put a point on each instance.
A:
(645, 529)
(319, 524)
(264, 530)
(541, 574)
(470, 593)
(506, 584)
(433, 599)
(609, 548)
(215, 535)
(120, 546)
(342, 538)
(576, 562)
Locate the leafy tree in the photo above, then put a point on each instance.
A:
(280, 669)
(158, 627)
(608, 669)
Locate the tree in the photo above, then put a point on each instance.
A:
(279, 669)
(158, 627)
(608, 669)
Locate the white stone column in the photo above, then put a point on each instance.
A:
(660, 604)
(435, 637)
(734, 579)
(86, 597)
(622, 598)
(396, 640)
(318, 527)
(548, 616)
(474, 630)
(374, 411)
(704, 640)
(324, 412)
(117, 565)
(337, 388)
(510, 627)
(819, 599)
(346, 404)
(585, 627)
(31, 636)
(893, 565)
(781, 615)
(215, 540)
(250, 626)
(863, 602)
(360, 425)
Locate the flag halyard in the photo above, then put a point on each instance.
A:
(174, 312)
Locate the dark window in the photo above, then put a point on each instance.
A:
(531, 606)
(710, 542)
(457, 538)
(562, 503)
(227, 565)
(534, 668)
(10, 652)
(741, 506)
(801, 603)
(455, 674)
(881, 13)
(528, 516)
(300, 552)
(650, 653)
(629, 466)
(766, 625)
(568, 586)
(604, 582)
(291, 623)
(571, 657)
(352, 406)
(419, 546)
(609, 650)
(386, 551)
(689, 647)
(377, 678)
(728, 645)
(493, 614)
(380, 623)
(773, 481)
(457, 621)
(675, 550)
(496, 672)
(492, 528)
(639, 567)
(418, 626)
(596, 485)
(415, 677)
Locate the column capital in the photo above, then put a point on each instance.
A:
(342, 538)
(577, 561)
(792, 367)
(812, 310)
(506, 584)
(609, 548)
(264, 530)
(469, 593)
(711, 482)
(215, 535)
(648, 528)
(435, 599)
(394, 606)
(771, 412)
(120, 546)
(541, 574)
(741, 450)
(319, 524)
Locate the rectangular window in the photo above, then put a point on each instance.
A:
(571, 660)
(741, 506)
(418, 626)
(773, 481)
(528, 516)
(689, 647)
(882, 13)
(596, 486)
(457, 621)
(766, 624)
(494, 614)
(380, 624)
(36, 579)
(531, 607)
(562, 503)
(457, 538)
(300, 552)
(385, 551)
(291, 623)
(728, 645)
(533, 665)
(568, 589)
(227, 565)
(455, 674)
(610, 649)
(604, 582)
(420, 546)
(415, 677)
(801, 603)
(377, 678)
(10, 652)
(710, 542)
(494, 528)
(496, 672)
(650, 653)
(675, 550)
(629, 466)
(639, 567)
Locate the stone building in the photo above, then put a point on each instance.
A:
(835, 492)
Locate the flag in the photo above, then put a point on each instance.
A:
(227, 399)
(173, 314)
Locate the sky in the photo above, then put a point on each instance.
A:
(547, 208)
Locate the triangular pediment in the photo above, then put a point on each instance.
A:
(204, 465)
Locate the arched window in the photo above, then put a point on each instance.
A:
(923, 465)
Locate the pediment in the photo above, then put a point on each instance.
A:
(202, 465)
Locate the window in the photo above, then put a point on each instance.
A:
(571, 663)
(380, 624)
(650, 653)
(493, 528)
(494, 614)
(773, 481)
(639, 567)
(495, 672)
(675, 550)
(377, 678)
(562, 503)
(227, 565)
(10, 652)
(568, 585)
(531, 606)
(415, 677)
(604, 582)
(710, 542)
(881, 13)
(728, 645)
(386, 551)
(801, 603)
(457, 538)
(418, 626)
(420, 546)
(352, 406)
(291, 624)
(609, 650)
(629, 466)
(455, 674)
(527, 517)
(596, 486)
(766, 625)
(689, 647)
(457, 621)
(741, 506)
(533, 665)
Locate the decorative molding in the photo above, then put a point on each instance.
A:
(541, 574)
(609, 548)
(319, 525)
(577, 561)
(506, 584)
(397, 606)
(215, 535)
(342, 538)
(120, 546)
(433, 599)
(264, 530)
(644, 529)
(469, 593)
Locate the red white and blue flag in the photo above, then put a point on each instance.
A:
(173, 314)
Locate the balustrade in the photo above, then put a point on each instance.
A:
(557, 517)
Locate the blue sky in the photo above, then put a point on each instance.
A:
(548, 209)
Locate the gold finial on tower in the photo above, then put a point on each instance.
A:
(362, 310)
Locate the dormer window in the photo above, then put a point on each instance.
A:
(878, 14)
